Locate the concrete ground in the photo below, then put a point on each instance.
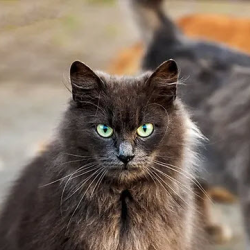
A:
(38, 42)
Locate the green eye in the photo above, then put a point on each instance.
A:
(145, 130)
(104, 130)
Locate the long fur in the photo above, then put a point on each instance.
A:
(78, 195)
(217, 91)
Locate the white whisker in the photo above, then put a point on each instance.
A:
(70, 178)
(82, 198)
(185, 174)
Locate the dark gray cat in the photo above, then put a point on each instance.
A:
(217, 87)
(118, 175)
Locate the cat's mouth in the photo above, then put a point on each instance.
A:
(128, 167)
(125, 173)
(128, 170)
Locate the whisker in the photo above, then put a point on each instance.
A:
(193, 179)
(70, 178)
(81, 156)
(185, 174)
(157, 179)
(177, 181)
(160, 182)
(60, 179)
(181, 171)
(152, 177)
(82, 199)
(166, 157)
(188, 205)
(99, 182)
(81, 185)
(67, 162)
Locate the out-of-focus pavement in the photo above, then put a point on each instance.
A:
(38, 42)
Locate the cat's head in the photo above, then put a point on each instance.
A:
(126, 126)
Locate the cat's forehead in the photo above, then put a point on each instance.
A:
(125, 99)
(122, 82)
(126, 92)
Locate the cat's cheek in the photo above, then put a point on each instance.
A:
(153, 141)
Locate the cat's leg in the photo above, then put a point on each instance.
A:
(221, 195)
(245, 206)
(217, 233)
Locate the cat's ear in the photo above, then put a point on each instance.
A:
(163, 82)
(84, 82)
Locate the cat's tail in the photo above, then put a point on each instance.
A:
(164, 40)
(151, 20)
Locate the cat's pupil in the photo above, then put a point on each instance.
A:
(144, 127)
(105, 129)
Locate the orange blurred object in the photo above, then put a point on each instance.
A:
(232, 31)
(127, 62)
(235, 32)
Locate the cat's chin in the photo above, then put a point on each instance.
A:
(126, 174)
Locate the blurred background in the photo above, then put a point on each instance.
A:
(40, 39)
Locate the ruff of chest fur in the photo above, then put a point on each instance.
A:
(157, 217)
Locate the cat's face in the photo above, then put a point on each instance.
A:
(124, 124)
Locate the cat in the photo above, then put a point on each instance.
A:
(216, 89)
(118, 174)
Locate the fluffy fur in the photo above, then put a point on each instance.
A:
(216, 88)
(79, 196)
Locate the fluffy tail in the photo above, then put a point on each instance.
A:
(151, 19)
(164, 40)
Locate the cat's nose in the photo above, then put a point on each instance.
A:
(125, 158)
(126, 153)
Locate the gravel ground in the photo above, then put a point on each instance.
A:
(39, 41)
